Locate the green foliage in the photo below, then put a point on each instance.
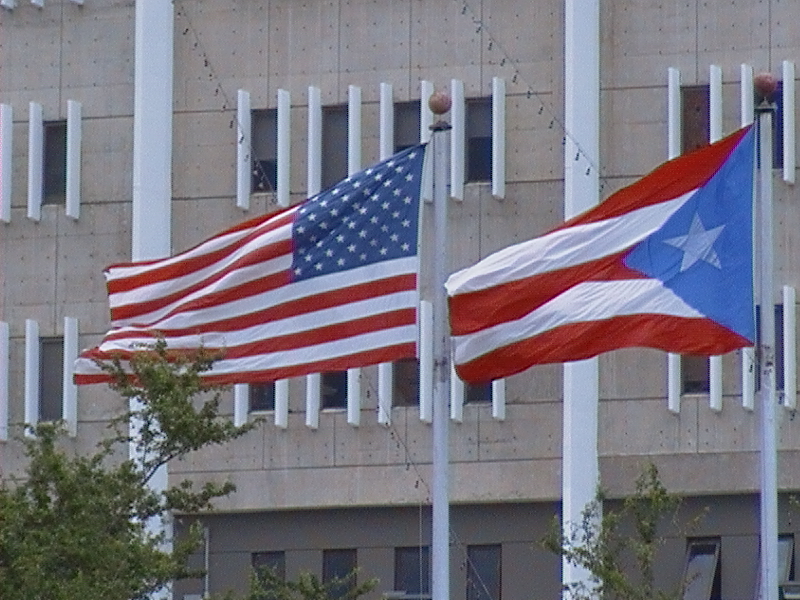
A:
(618, 547)
(76, 527)
(266, 585)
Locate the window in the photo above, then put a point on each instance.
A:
(262, 396)
(694, 374)
(696, 126)
(785, 563)
(405, 382)
(274, 561)
(264, 136)
(334, 389)
(695, 121)
(777, 126)
(412, 570)
(406, 125)
(483, 572)
(478, 125)
(54, 180)
(475, 393)
(337, 568)
(334, 145)
(778, 346)
(701, 572)
(51, 378)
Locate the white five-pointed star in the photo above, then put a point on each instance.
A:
(698, 244)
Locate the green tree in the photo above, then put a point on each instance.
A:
(267, 585)
(618, 547)
(76, 527)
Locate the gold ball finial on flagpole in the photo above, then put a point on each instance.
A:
(439, 103)
(765, 85)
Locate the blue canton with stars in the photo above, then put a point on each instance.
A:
(369, 217)
(704, 251)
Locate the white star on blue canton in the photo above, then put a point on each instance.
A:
(698, 244)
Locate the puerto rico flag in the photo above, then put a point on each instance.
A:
(664, 263)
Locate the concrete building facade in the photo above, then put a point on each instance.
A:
(319, 492)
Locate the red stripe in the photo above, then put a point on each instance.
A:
(292, 308)
(179, 268)
(473, 311)
(358, 359)
(290, 341)
(670, 180)
(128, 312)
(577, 341)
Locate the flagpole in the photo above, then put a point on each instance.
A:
(439, 104)
(765, 86)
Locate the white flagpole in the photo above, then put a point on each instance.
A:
(439, 104)
(765, 85)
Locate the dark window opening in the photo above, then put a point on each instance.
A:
(264, 136)
(51, 378)
(478, 130)
(695, 120)
(702, 574)
(338, 571)
(54, 180)
(273, 561)
(405, 382)
(476, 393)
(262, 396)
(777, 126)
(483, 572)
(406, 125)
(694, 374)
(334, 389)
(412, 570)
(334, 145)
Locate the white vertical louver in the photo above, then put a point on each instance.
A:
(386, 121)
(746, 107)
(456, 395)
(284, 147)
(385, 370)
(4, 387)
(241, 403)
(499, 399)
(313, 397)
(69, 404)
(244, 145)
(282, 403)
(354, 397)
(498, 138)
(789, 347)
(35, 160)
(425, 122)
(74, 141)
(457, 139)
(353, 167)
(426, 361)
(6, 149)
(789, 160)
(715, 134)
(385, 393)
(32, 367)
(673, 150)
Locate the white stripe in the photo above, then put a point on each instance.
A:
(564, 248)
(206, 247)
(588, 301)
(285, 293)
(160, 288)
(296, 325)
(287, 358)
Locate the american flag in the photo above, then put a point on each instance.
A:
(326, 285)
